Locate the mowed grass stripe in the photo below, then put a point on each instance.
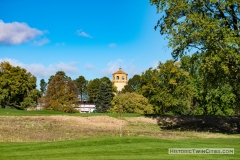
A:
(115, 148)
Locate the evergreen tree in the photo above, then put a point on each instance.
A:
(104, 97)
(92, 90)
(43, 86)
(94, 85)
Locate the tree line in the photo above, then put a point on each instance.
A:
(18, 90)
(203, 78)
(99, 91)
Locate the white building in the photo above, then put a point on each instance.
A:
(86, 108)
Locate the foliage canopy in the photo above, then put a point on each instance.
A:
(167, 88)
(130, 103)
(61, 94)
(17, 87)
(210, 32)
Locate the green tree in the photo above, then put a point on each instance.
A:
(61, 94)
(16, 87)
(167, 88)
(50, 78)
(43, 86)
(209, 98)
(92, 90)
(81, 83)
(210, 29)
(200, 24)
(132, 84)
(104, 97)
(130, 103)
(110, 83)
(32, 99)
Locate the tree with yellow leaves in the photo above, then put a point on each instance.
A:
(61, 94)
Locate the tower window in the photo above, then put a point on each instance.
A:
(123, 78)
(117, 78)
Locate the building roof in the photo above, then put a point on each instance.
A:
(120, 71)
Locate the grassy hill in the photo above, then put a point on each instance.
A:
(57, 135)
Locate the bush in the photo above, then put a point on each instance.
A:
(130, 103)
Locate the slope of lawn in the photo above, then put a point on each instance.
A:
(57, 135)
(116, 148)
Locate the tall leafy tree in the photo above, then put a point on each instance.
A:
(81, 83)
(104, 97)
(200, 24)
(209, 98)
(17, 86)
(61, 94)
(210, 29)
(167, 88)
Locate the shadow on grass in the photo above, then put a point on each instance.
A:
(216, 124)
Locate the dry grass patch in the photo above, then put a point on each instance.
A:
(55, 128)
(142, 120)
(143, 126)
(59, 128)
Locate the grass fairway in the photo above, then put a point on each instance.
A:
(116, 148)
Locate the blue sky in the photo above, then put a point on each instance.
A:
(90, 38)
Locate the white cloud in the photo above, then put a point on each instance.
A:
(41, 42)
(89, 66)
(67, 67)
(42, 71)
(17, 33)
(114, 66)
(83, 34)
(60, 44)
(112, 45)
